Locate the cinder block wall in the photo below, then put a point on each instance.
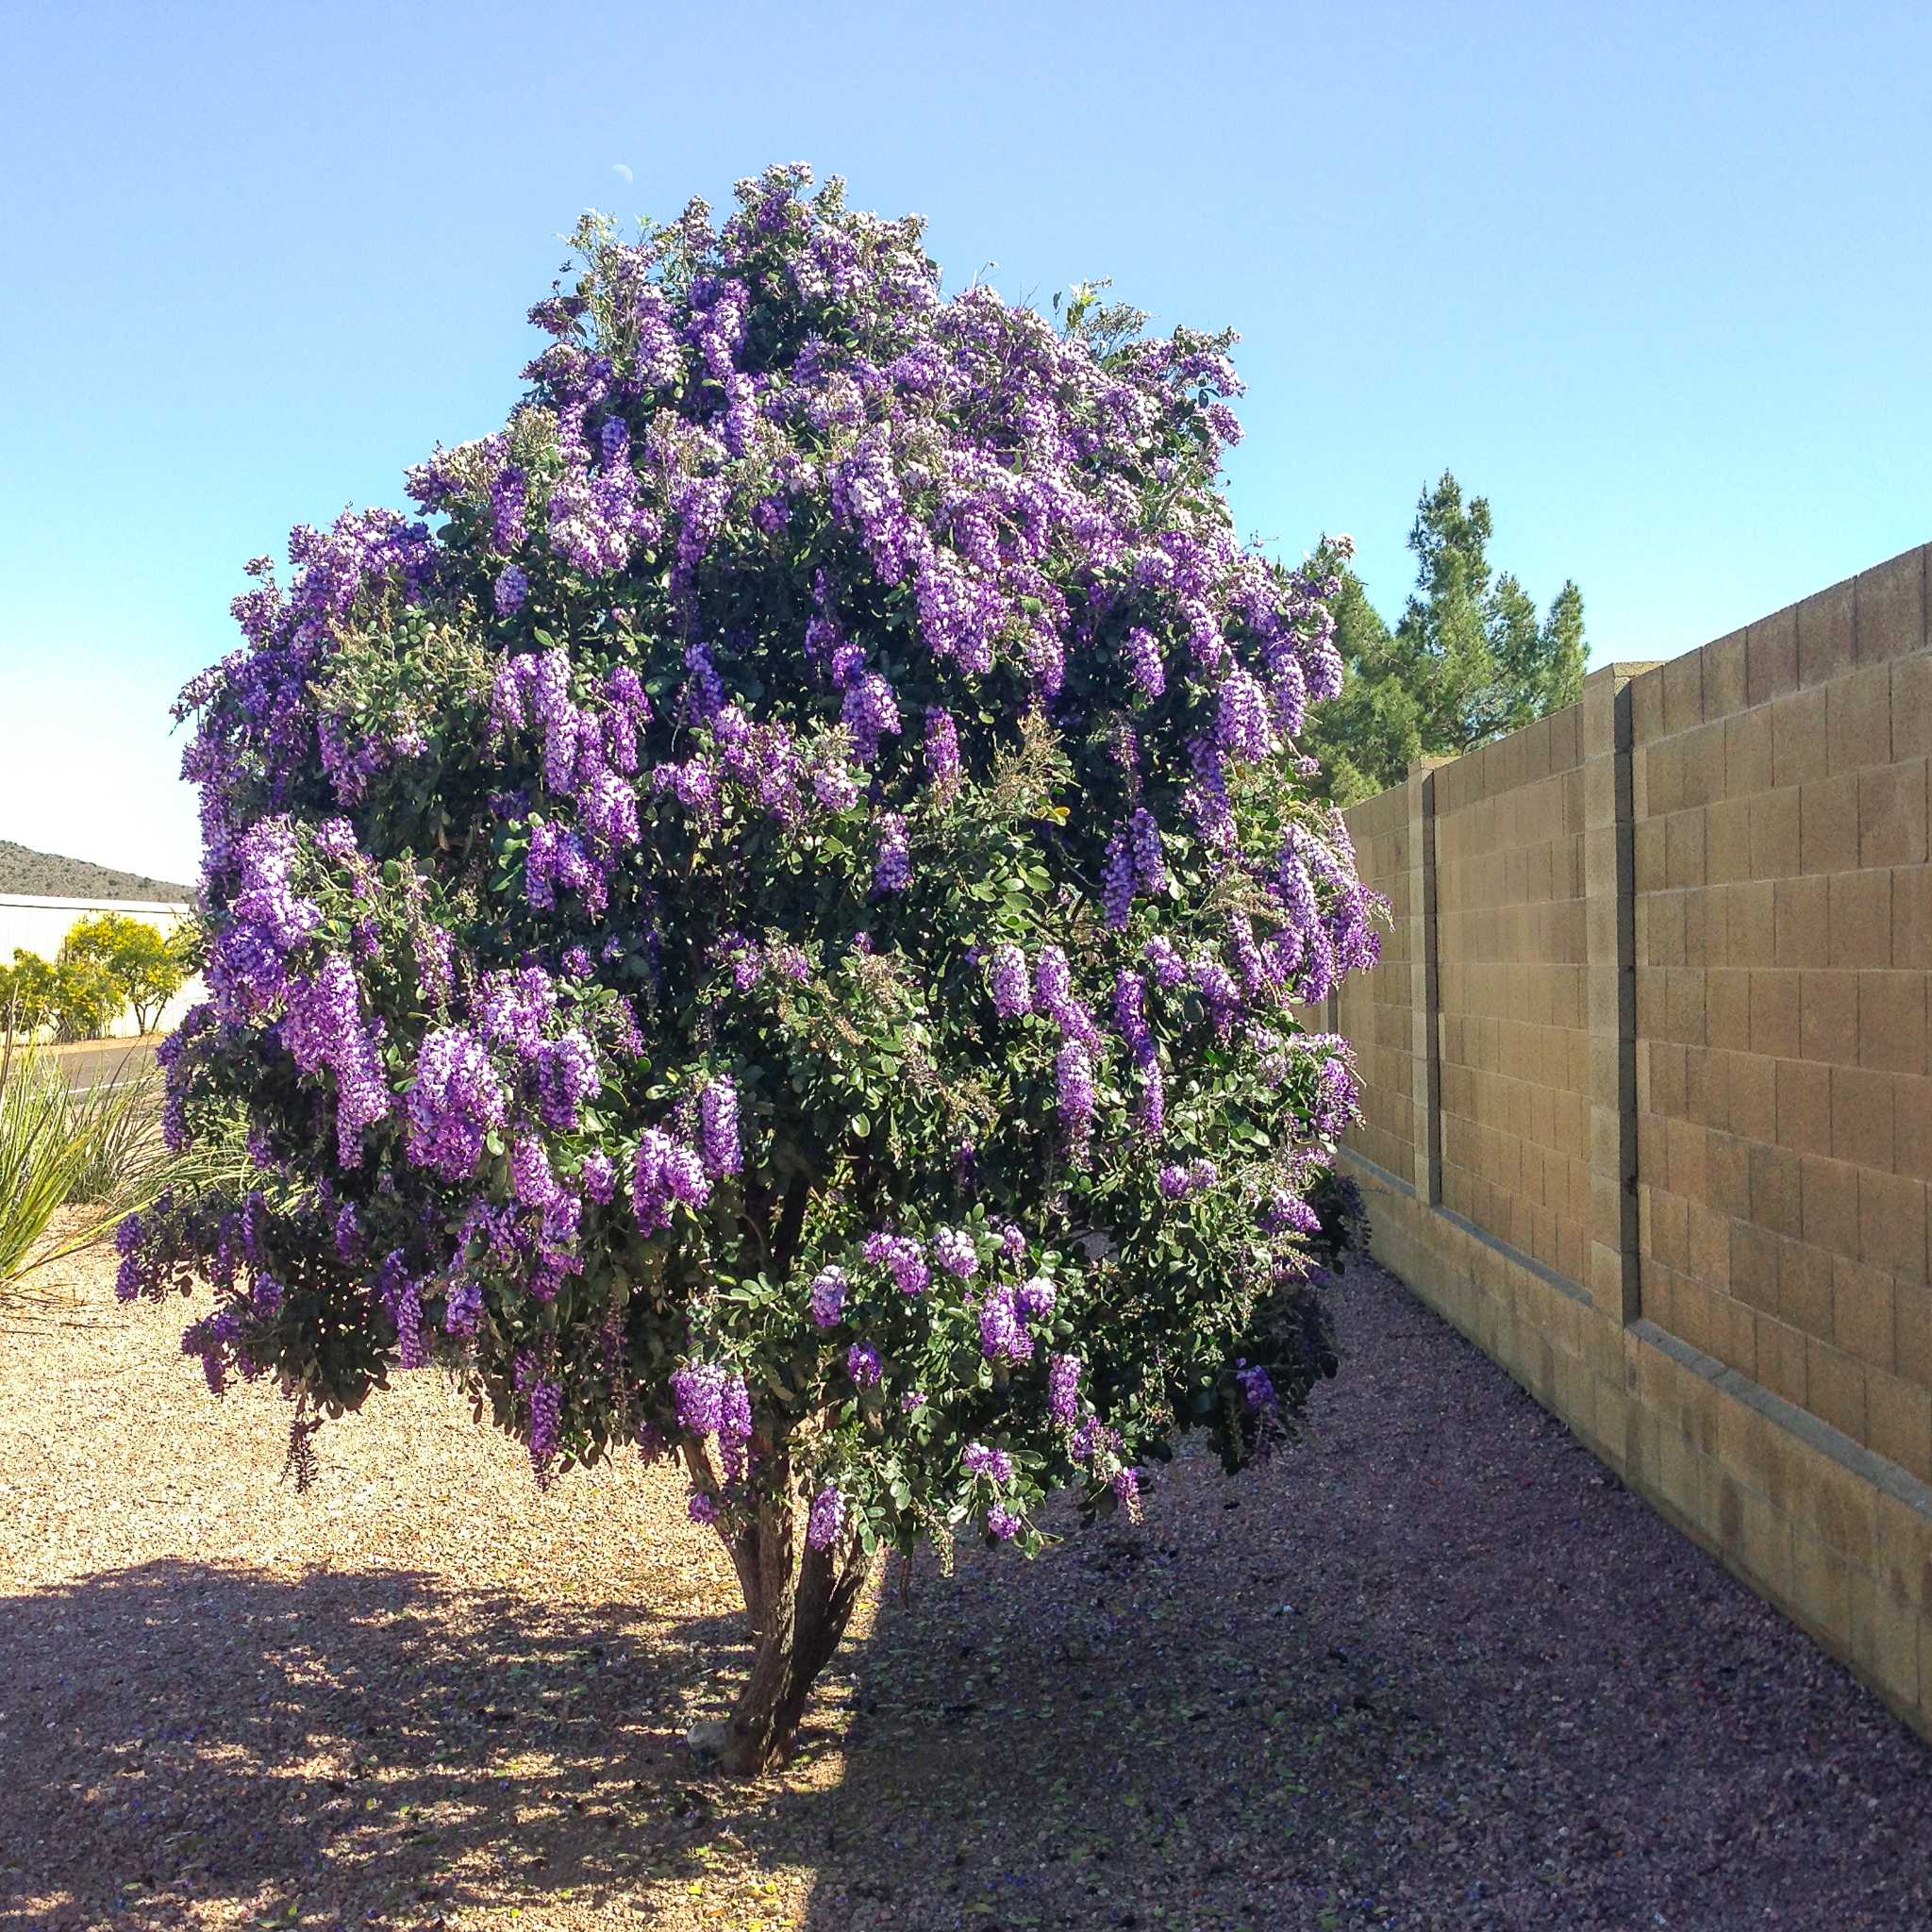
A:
(1649, 1107)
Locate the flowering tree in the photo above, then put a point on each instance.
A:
(765, 928)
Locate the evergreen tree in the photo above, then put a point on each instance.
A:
(1468, 662)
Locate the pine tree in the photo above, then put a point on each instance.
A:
(1468, 661)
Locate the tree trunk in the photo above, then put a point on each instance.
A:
(798, 1606)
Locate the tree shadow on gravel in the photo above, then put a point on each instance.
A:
(1432, 1668)
(345, 1748)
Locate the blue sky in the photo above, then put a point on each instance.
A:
(1655, 280)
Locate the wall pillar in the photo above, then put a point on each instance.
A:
(1610, 990)
(1425, 1045)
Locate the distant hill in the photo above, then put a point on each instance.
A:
(47, 876)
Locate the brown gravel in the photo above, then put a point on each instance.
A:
(1433, 1669)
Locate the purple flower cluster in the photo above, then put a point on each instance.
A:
(995, 1465)
(894, 870)
(455, 1099)
(1258, 1388)
(322, 1026)
(1006, 980)
(718, 1142)
(1003, 1332)
(954, 1250)
(826, 1518)
(1176, 1182)
(903, 1258)
(662, 1173)
(1064, 1389)
(712, 1401)
(827, 1297)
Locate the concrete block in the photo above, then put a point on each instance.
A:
(1800, 749)
(1892, 609)
(1748, 752)
(1825, 633)
(1830, 828)
(1770, 657)
(1892, 1224)
(1776, 1191)
(1776, 1009)
(1828, 1015)
(1895, 809)
(1860, 918)
(1802, 920)
(1911, 915)
(1899, 1422)
(1777, 841)
(1803, 1289)
(1861, 1116)
(1912, 1137)
(1893, 1021)
(1803, 1090)
(1858, 718)
(1911, 707)
(1830, 1194)
(1725, 675)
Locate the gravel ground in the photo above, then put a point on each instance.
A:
(1432, 1669)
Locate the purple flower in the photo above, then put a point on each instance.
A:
(599, 1177)
(454, 1100)
(1073, 1086)
(894, 870)
(718, 1130)
(903, 1258)
(1002, 1523)
(826, 1518)
(463, 1309)
(862, 1364)
(995, 1465)
(1117, 881)
(1006, 978)
(546, 1410)
(1143, 663)
(943, 754)
(827, 1297)
(702, 1509)
(1062, 1390)
(953, 1249)
(1002, 1334)
(1037, 1298)
(871, 712)
(1258, 1388)
(512, 586)
(536, 1186)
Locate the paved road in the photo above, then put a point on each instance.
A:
(99, 1061)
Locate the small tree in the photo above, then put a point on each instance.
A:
(768, 930)
(149, 966)
(76, 998)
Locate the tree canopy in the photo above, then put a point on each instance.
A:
(765, 924)
(1468, 661)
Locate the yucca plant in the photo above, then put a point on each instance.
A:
(119, 1122)
(99, 1146)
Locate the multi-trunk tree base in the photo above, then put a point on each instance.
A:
(798, 1601)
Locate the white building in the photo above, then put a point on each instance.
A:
(38, 925)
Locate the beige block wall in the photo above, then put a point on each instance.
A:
(1680, 1050)
(1376, 1010)
(1510, 965)
(1785, 1097)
